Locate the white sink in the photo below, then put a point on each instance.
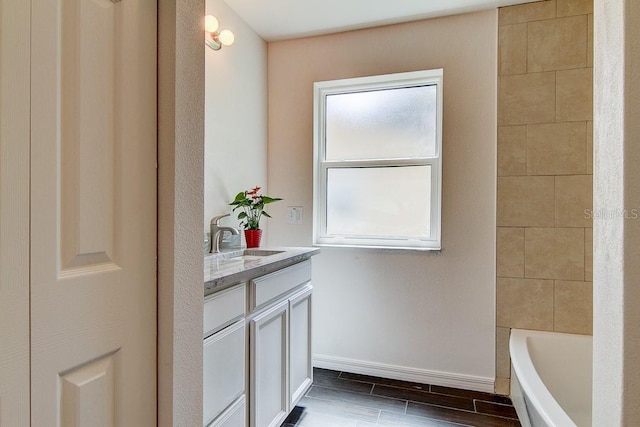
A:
(227, 260)
(259, 253)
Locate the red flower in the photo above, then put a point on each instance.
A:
(254, 191)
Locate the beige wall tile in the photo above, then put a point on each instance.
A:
(556, 148)
(526, 201)
(527, 12)
(554, 253)
(512, 49)
(503, 386)
(510, 252)
(589, 147)
(527, 99)
(557, 44)
(574, 7)
(588, 254)
(503, 361)
(574, 95)
(525, 303)
(574, 200)
(512, 150)
(573, 307)
(590, 41)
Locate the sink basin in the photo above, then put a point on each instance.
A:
(260, 252)
(230, 259)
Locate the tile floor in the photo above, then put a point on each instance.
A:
(341, 399)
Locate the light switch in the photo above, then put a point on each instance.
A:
(294, 214)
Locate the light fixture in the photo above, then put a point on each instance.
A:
(214, 39)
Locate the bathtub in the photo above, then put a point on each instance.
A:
(551, 378)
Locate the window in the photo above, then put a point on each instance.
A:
(378, 161)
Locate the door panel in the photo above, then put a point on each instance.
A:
(14, 212)
(93, 210)
(88, 66)
(87, 394)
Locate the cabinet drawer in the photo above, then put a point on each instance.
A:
(235, 416)
(223, 362)
(267, 288)
(223, 308)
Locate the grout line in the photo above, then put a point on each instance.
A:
(493, 403)
(553, 307)
(526, 53)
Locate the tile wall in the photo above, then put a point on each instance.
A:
(544, 229)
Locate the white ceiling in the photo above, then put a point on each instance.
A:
(286, 19)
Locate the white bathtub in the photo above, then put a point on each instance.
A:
(551, 378)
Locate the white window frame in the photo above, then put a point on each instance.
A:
(321, 165)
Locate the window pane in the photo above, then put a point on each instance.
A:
(389, 123)
(379, 201)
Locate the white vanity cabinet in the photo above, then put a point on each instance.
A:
(279, 343)
(257, 348)
(224, 358)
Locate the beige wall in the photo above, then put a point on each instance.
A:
(544, 234)
(15, 175)
(180, 262)
(616, 334)
(424, 314)
(235, 130)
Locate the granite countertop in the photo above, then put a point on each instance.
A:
(230, 267)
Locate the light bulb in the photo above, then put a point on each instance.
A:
(210, 24)
(226, 37)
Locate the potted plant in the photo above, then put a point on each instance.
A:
(251, 206)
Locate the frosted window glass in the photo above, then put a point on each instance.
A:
(379, 201)
(389, 123)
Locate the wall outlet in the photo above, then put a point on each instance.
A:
(294, 214)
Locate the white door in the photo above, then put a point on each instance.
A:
(93, 212)
(14, 213)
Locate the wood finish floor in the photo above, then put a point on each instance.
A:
(341, 399)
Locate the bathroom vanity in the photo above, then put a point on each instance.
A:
(257, 335)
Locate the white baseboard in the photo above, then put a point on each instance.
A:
(422, 376)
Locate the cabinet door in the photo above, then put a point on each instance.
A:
(268, 372)
(300, 369)
(223, 366)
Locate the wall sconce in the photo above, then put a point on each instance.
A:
(214, 39)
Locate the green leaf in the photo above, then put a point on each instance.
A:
(240, 197)
(267, 199)
(266, 214)
(242, 215)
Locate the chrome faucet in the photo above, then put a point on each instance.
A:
(217, 231)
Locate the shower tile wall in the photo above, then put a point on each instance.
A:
(544, 233)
